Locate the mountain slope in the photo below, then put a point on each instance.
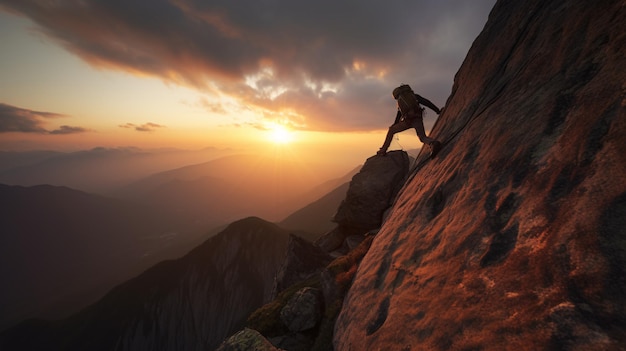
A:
(191, 303)
(13, 159)
(512, 238)
(243, 185)
(317, 217)
(64, 248)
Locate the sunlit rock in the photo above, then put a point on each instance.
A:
(514, 236)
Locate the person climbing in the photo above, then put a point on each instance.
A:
(410, 115)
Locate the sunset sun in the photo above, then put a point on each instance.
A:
(280, 134)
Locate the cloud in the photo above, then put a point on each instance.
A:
(146, 127)
(16, 119)
(69, 130)
(330, 64)
(214, 107)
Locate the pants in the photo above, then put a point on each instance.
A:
(415, 122)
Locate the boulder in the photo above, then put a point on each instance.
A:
(293, 342)
(303, 311)
(372, 191)
(332, 240)
(353, 241)
(246, 340)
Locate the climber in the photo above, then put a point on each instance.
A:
(410, 115)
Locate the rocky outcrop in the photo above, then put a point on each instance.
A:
(302, 261)
(302, 316)
(513, 237)
(372, 190)
(291, 322)
(303, 310)
(369, 195)
(246, 340)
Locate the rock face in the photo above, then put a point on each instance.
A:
(370, 193)
(303, 260)
(514, 236)
(372, 190)
(245, 340)
(310, 286)
(303, 310)
(302, 317)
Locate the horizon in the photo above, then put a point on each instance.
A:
(250, 78)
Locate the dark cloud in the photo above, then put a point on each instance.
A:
(69, 130)
(146, 127)
(15, 119)
(332, 62)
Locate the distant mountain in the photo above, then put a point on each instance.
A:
(233, 187)
(61, 248)
(98, 170)
(205, 186)
(191, 303)
(14, 159)
(317, 216)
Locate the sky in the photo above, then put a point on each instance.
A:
(78, 74)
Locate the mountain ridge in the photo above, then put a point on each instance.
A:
(200, 298)
(249, 185)
(76, 243)
(91, 170)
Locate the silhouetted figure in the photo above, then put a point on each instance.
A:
(410, 115)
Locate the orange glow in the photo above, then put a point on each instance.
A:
(279, 134)
(358, 65)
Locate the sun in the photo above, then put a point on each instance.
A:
(279, 134)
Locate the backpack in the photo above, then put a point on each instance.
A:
(407, 102)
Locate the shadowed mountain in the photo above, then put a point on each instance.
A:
(191, 303)
(61, 248)
(79, 245)
(14, 159)
(317, 217)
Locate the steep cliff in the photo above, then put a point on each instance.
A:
(514, 236)
(311, 286)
